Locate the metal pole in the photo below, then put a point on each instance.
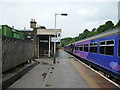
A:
(38, 46)
(63, 14)
(49, 47)
(55, 42)
(55, 20)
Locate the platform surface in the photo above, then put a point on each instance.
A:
(66, 73)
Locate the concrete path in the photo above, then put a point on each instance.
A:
(64, 75)
(34, 78)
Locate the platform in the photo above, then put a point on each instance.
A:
(66, 73)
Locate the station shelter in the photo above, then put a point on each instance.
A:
(44, 42)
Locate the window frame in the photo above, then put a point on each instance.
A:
(94, 44)
(76, 48)
(86, 45)
(106, 46)
(81, 46)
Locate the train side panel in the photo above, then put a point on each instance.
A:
(109, 62)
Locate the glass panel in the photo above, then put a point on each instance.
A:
(85, 44)
(102, 43)
(86, 49)
(110, 42)
(95, 43)
(81, 48)
(109, 50)
(95, 49)
(91, 49)
(91, 44)
(102, 49)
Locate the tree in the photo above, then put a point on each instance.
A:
(94, 29)
(118, 24)
(107, 26)
(91, 34)
(86, 33)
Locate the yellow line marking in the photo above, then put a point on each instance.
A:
(90, 82)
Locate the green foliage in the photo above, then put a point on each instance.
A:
(118, 24)
(109, 25)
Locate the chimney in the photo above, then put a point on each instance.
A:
(33, 23)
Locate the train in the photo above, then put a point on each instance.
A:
(101, 52)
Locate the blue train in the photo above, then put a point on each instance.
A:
(101, 51)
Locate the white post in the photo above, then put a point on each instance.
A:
(55, 42)
(49, 47)
(54, 47)
(38, 46)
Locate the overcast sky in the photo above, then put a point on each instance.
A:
(82, 14)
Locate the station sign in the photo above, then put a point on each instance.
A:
(45, 41)
(55, 39)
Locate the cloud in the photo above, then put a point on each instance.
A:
(58, 1)
(88, 12)
(81, 15)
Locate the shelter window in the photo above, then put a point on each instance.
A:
(86, 47)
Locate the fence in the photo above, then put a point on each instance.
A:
(15, 52)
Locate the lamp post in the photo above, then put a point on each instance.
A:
(62, 14)
(33, 26)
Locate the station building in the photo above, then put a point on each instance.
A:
(44, 40)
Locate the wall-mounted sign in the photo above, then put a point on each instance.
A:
(55, 39)
(43, 40)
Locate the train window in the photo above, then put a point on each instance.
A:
(102, 49)
(81, 47)
(95, 44)
(110, 42)
(119, 49)
(91, 44)
(107, 47)
(76, 48)
(109, 50)
(86, 47)
(93, 47)
(102, 43)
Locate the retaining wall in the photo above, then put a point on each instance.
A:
(15, 52)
